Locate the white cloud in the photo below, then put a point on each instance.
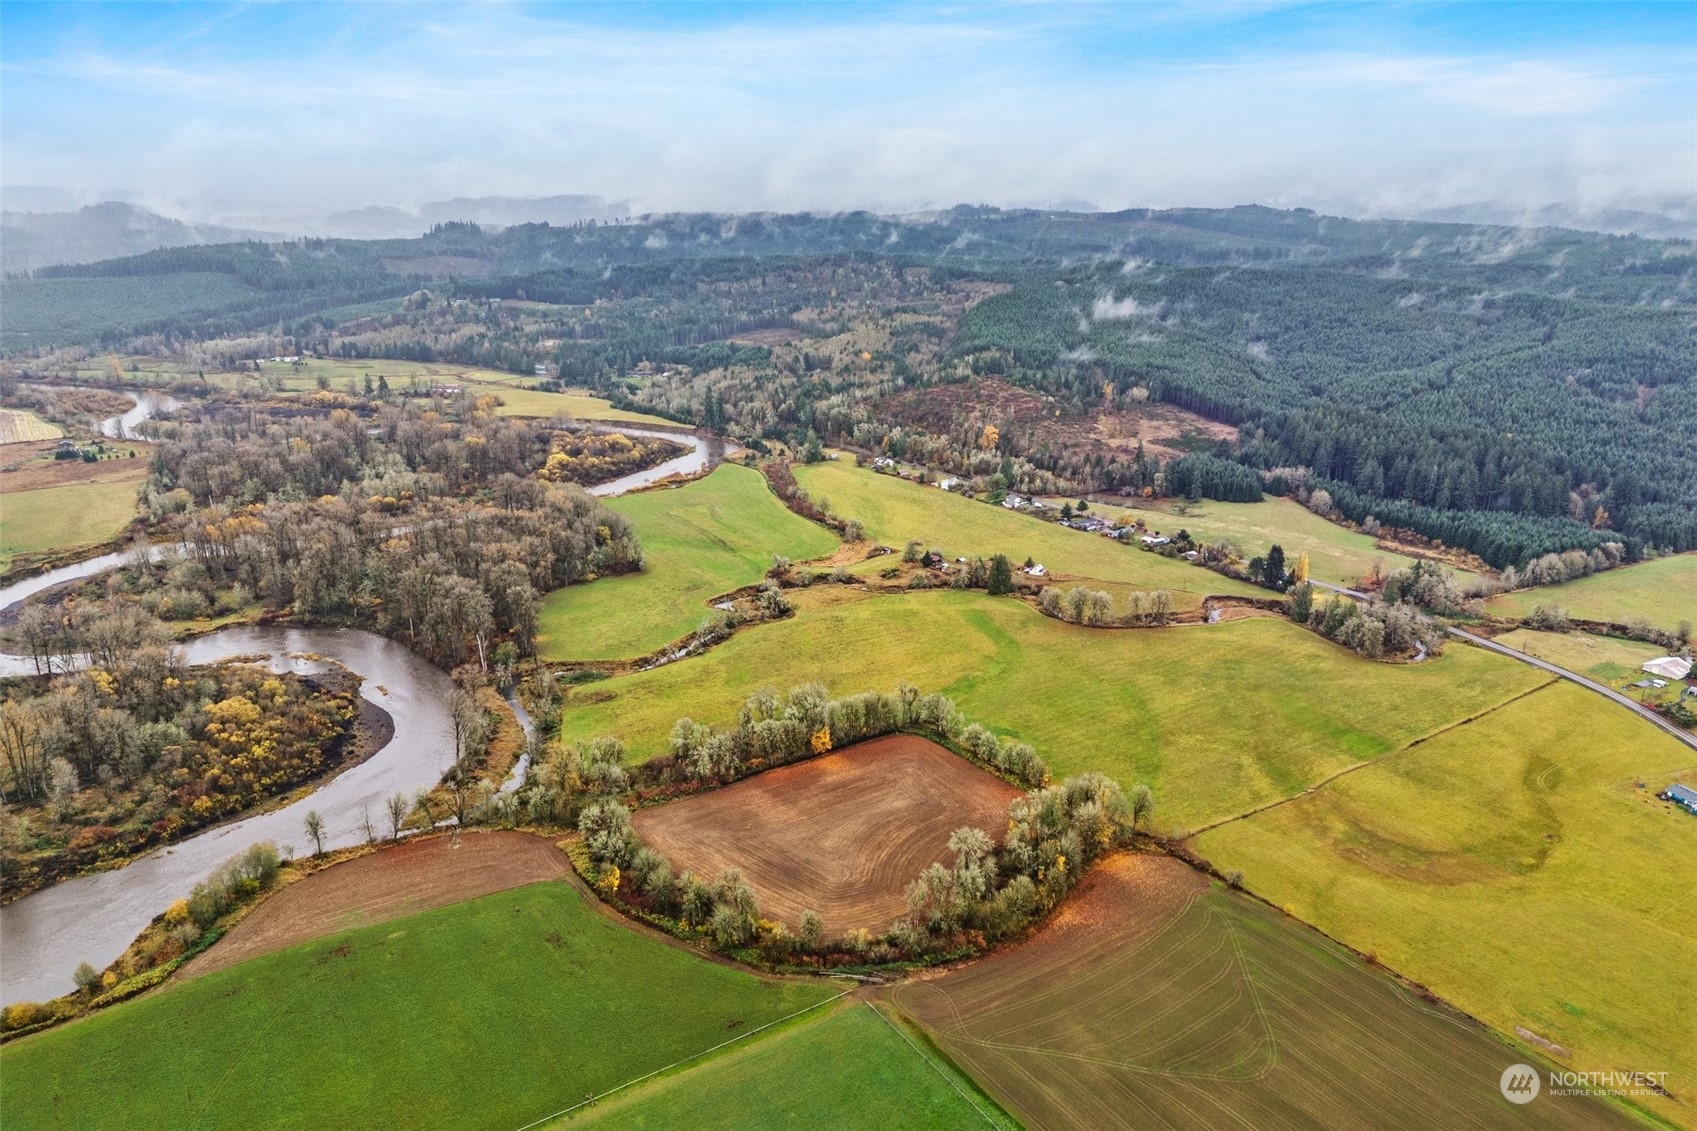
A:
(903, 111)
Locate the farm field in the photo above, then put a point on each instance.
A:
(1215, 718)
(1663, 592)
(19, 426)
(1607, 659)
(468, 1015)
(1155, 1000)
(1521, 867)
(519, 398)
(34, 468)
(895, 510)
(63, 518)
(842, 835)
(860, 1072)
(402, 879)
(699, 540)
(1334, 554)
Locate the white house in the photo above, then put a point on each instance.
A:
(1669, 667)
(1037, 571)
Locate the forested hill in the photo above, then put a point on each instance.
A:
(221, 288)
(1458, 398)
(1438, 376)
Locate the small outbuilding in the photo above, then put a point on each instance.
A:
(1668, 667)
(1683, 796)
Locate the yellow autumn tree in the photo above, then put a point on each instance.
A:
(821, 740)
(990, 437)
(1300, 573)
(1600, 520)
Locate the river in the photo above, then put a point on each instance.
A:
(94, 918)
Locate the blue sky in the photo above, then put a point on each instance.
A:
(222, 111)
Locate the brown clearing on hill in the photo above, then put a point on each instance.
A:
(33, 466)
(842, 834)
(1037, 421)
(402, 879)
(776, 336)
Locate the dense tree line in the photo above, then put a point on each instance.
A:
(430, 529)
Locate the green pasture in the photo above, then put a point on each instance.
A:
(846, 1069)
(1216, 718)
(1607, 659)
(1334, 554)
(1521, 867)
(1663, 592)
(895, 510)
(64, 518)
(489, 1013)
(699, 540)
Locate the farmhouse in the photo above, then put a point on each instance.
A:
(1036, 570)
(1682, 795)
(1016, 502)
(1668, 667)
(1155, 540)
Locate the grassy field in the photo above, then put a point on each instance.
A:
(517, 394)
(1154, 1000)
(19, 426)
(490, 1013)
(1522, 868)
(1663, 592)
(699, 540)
(896, 510)
(1216, 718)
(1334, 554)
(63, 518)
(846, 1069)
(516, 391)
(1606, 659)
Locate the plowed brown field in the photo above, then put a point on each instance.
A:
(413, 876)
(842, 835)
(1154, 1000)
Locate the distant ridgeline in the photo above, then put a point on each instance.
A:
(1504, 390)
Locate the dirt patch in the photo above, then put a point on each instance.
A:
(1162, 430)
(778, 336)
(842, 835)
(1038, 422)
(31, 467)
(403, 879)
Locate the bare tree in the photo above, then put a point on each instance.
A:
(315, 830)
(397, 806)
(471, 727)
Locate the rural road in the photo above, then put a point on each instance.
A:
(1602, 689)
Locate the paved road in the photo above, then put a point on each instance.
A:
(1356, 593)
(1590, 684)
(1602, 689)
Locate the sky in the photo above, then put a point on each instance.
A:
(235, 112)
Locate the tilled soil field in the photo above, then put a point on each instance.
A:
(1153, 1000)
(413, 876)
(842, 835)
